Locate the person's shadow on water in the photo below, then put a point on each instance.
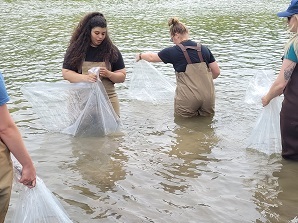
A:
(195, 137)
(277, 197)
(287, 197)
(188, 154)
(98, 160)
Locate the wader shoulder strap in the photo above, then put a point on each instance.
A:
(198, 48)
(183, 48)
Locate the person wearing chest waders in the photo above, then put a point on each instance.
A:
(195, 68)
(286, 83)
(90, 46)
(11, 142)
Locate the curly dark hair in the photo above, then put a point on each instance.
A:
(81, 40)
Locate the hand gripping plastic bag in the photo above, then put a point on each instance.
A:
(148, 84)
(265, 135)
(78, 109)
(38, 205)
(97, 116)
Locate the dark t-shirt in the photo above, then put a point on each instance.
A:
(93, 55)
(175, 56)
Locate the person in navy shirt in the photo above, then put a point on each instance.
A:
(195, 68)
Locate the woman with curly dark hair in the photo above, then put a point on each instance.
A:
(90, 46)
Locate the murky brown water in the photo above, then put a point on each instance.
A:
(158, 169)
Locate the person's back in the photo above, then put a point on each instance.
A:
(195, 69)
(195, 89)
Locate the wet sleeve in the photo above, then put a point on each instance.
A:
(291, 55)
(3, 93)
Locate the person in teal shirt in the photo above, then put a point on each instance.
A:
(286, 83)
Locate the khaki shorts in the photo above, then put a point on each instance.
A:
(6, 177)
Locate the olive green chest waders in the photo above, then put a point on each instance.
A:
(107, 83)
(195, 88)
(6, 176)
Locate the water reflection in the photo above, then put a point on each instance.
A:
(194, 138)
(98, 162)
(287, 198)
(192, 142)
(161, 170)
(276, 194)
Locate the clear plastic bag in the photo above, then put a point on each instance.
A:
(97, 116)
(37, 205)
(265, 135)
(258, 86)
(148, 84)
(78, 109)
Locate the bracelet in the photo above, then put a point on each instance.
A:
(140, 56)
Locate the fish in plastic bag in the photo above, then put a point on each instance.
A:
(148, 84)
(78, 109)
(38, 204)
(265, 135)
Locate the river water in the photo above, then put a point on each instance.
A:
(157, 169)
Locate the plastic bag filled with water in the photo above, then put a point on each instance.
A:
(265, 135)
(37, 205)
(78, 109)
(148, 84)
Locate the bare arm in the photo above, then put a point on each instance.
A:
(281, 81)
(117, 76)
(75, 77)
(12, 138)
(215, 70)
(153, 57)
(149, 56)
